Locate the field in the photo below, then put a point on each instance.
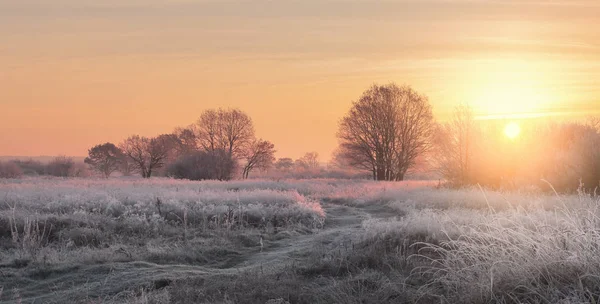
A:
(297, 241)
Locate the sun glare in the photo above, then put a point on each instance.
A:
(512, 130)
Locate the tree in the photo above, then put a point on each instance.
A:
(285, 164)
(259, 154)
(310, 160)
(186, 139)
(31, 167)
(300, 165)
(228, 130)
(60, 166)
(10, 170)
(202, 165)
(127, 166)
(455, 145)
(105, 158)
(146, 154)
(386, 130)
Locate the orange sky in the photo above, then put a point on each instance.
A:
(75, 73)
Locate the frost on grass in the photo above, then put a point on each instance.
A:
(56, 213)
(469, 246)
(253, 241)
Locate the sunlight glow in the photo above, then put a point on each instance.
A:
(512, 130)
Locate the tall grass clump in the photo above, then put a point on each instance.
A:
(516, 254)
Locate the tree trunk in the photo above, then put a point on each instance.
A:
(400, 176)
(381, 174)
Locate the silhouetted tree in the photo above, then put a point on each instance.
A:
(228, 130)
(310, 160)
(173, 147)
(31, 167)
(10, 170)
(187, 140)
(105, 158)
(127, 167)
(203, 165)
(60, 166)
(285, 164)
(455, 143)
(386, 130)
(259, 154)
(300, 165)
(146, 154)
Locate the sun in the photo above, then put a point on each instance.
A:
(512, 130)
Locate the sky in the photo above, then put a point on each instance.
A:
(76, 73)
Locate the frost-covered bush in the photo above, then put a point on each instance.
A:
(129, 206)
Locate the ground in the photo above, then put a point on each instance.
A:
(362, 243)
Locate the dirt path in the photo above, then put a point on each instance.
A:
(342, 223)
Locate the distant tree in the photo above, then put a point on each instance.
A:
(454, 146)
(79, 169)
(127, 167)
(60, 166)
(300, 164)
(310, 160)
(146, 154)
(187, 140)
(259, 154)
(105, 158)
(284, 164)
(173, 147)
(386, 130)
(203, 165)
(10, 170)
(31, 167)
(228, 130)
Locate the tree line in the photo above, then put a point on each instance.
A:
(389, 131)
(212, 148)
(385, 132)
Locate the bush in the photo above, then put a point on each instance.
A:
(31, 167)
(10, 170)
(60, 166)
(203, 165)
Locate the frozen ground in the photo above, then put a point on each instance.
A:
(306, 241)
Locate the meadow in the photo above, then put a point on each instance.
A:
(128, 240)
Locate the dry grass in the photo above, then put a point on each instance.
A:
(159, 241)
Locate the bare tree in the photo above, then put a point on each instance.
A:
(60, 166)
(386, 130)
(145, 154)
(454, 147)
(259, 154)
(202, 165)
(311, 160)
(105, 158)
(10, 170)
(285, 164)
(127, 167)
(186, 139)
(229, 130)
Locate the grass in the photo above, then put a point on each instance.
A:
(306, 241)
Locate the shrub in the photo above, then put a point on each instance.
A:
(203, 165)
(83, 236)
(31, 167)
(10, 170)
(60, 166)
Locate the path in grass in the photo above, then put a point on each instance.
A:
(104, 281)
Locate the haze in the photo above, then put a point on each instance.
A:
(74, 73)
